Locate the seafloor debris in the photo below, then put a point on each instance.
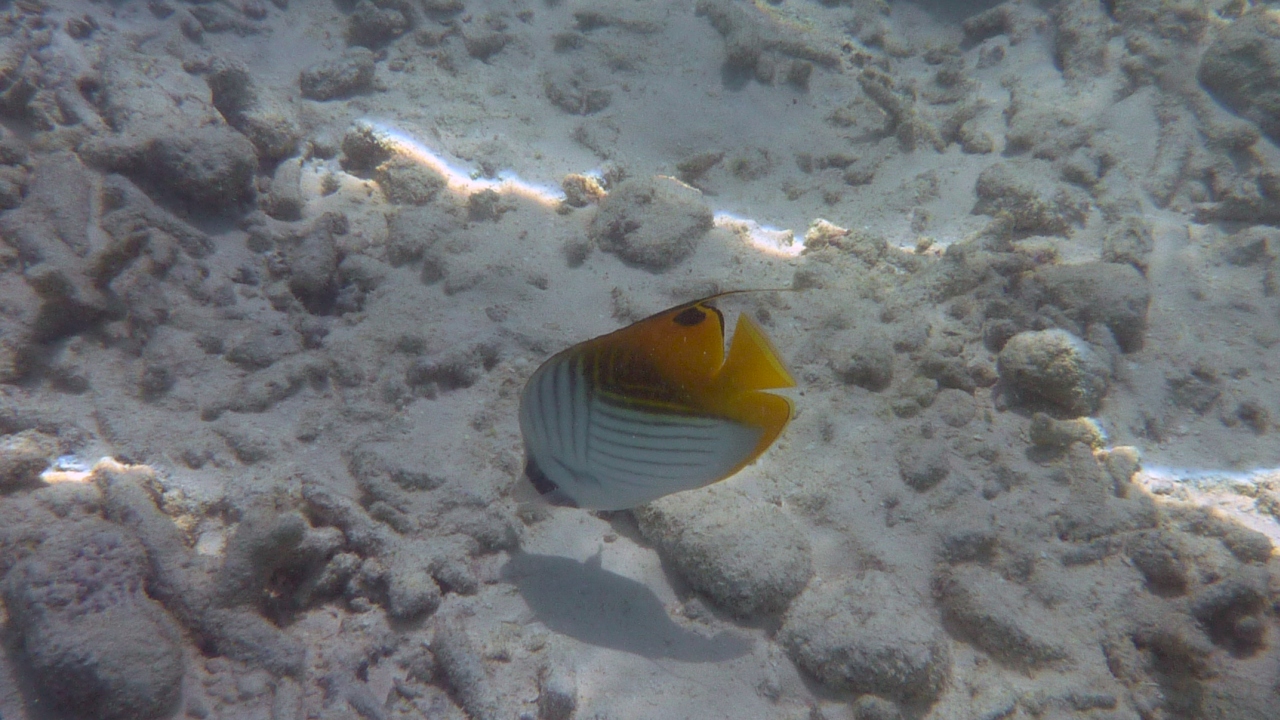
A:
(341, 77)
(654, 224)
(864, 636)
(1055, 368)
(748, 558)
(279, 262)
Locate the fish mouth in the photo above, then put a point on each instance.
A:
(545, 486)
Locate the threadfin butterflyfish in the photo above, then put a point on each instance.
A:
(652, 409)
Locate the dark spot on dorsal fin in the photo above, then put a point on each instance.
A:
(690, 316)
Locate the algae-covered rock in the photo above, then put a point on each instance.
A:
(262, 117)
(654, 223)
(407, 182)
(373, 25)
(411, 592)
(982, 608)
(865, 360)
(923, 464)
(1162, 558)
(463, 670)
(1020, 192)
(23, 456)
(1055, 434)
(262, 543)
(1241, 68)
(211, 166)
(1129, 241)
(341, 77)
(1054, 369)
(95, 644)
(747, 557)
(178, 581)
(868, 636)
(558, 694)
(1081, 32)
(1104, 293)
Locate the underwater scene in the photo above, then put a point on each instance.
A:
(639, 359)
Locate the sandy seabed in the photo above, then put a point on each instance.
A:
(286, 266)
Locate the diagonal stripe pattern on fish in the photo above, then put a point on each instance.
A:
(652, 409)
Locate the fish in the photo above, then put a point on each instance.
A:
(652, 409)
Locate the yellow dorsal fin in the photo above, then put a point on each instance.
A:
(753, 364)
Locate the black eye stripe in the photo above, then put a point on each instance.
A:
(690, 316)
(719, 317)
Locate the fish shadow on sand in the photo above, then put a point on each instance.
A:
(597, 607)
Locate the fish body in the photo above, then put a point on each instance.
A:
(652, 409)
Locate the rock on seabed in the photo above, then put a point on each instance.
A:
(868, 636)
(747, 557)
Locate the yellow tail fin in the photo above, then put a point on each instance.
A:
(753, 363)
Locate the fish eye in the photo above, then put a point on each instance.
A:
(690, 316)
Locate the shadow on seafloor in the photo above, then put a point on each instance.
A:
(588, 603)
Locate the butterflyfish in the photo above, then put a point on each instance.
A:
(652, 409)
